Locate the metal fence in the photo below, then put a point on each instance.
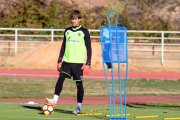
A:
(11, 38)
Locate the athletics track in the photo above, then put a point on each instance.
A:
(92, 74)
(95, 75)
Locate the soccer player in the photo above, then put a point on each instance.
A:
(74, 58)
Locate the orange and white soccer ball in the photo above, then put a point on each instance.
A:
(47, 109)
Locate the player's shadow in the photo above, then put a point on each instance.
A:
(32, 107)
(38, 108)
(63, 111)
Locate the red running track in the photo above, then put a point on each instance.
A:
(96, 75)
(92, 74)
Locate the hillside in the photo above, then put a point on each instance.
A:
(135, 14)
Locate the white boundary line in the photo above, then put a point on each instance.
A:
(32, 75)
(40, 75)
(93, 77)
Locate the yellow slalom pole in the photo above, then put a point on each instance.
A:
(118, 115)
(90, 114)
(98, 114)
(177, 118)
(147, 116)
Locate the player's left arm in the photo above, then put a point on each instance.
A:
(88, 48)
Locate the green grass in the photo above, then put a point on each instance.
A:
(14, 87)
(22, 111)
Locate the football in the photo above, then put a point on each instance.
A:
(47, 109)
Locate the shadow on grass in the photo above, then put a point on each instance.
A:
(32, 107)
(63, 111)
(38, 108)
(146, 106)
(70, 112)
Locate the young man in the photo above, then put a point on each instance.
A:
(75, 56)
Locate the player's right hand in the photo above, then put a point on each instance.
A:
(59, 66)
(85, 69)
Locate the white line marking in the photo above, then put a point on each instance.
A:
(49, 76)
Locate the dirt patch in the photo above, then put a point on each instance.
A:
(44, 56)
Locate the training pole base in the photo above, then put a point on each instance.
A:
(118, 118)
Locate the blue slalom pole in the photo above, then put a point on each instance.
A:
(114, 51)
(112, 97)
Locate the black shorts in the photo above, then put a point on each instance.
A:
(72, 70)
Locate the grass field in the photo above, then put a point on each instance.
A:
(14, 87)
(22, 111)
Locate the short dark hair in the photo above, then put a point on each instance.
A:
(75, 14)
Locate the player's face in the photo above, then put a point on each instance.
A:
(75, 21)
